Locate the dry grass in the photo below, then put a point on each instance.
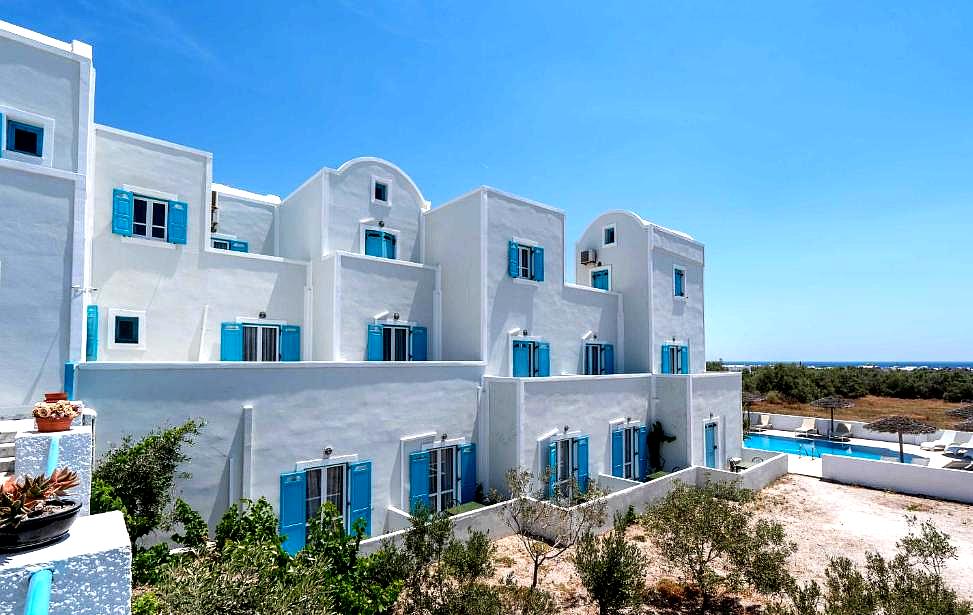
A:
(932, 411)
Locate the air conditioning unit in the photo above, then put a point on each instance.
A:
(589, 257)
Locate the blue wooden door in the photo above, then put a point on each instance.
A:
(360, 492)
(709, 445)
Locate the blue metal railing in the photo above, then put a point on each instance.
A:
(39, 593)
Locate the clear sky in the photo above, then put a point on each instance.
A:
(822, 151)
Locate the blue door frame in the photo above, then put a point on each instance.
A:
(709, 444)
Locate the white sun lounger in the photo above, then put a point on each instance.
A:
(762, 424)
(948, 437)
(808, 428)
(959, 447)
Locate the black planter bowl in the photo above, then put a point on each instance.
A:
(36, 532)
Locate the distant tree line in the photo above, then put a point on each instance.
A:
(803, 384)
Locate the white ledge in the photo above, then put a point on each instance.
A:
(270, 365)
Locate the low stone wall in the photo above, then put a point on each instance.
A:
(940, 483)
(488, 519)
(73, 449)
(790, 422)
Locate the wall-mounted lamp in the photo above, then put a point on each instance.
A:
(262, 315)
(628, 419)
(327, 451)
(381, 224)
(444, 436)
(566, 428)
(594, 336)
(524, 332)
(395, 316)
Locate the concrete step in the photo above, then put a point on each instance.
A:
(6, 464)
(7, 437)
(7, 449)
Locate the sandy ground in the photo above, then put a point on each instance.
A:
(824, 519)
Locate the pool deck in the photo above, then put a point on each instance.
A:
(807, 466)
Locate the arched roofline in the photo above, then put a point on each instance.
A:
(642, 222)
(393, 167)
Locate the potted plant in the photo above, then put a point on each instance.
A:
(33, 511)
(54, 415)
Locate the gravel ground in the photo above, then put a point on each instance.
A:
(824, 519)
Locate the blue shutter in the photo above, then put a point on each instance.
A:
(91, 343)
(374, 245)
(467, 468)
(239, 246)
(121, 212)
(293, 514)
(551, 468)
(373, 352)
(666, 360)
(599, 279)
(388, 244)
(677, 282)
(607, 359)
(419, 343)
(418, 480)
(231, 341)
(709, 445)
(643, 452)
(290, 343)
(582, 451)
(360, 495)
(177, 221)
(538, 255)
(588, 349)
(521, 359)
(618, 452)
(543, 359)
(69, 379)
(685, 360)
(3, 126)
(513, 260)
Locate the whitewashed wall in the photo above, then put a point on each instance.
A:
(671, 399)
(716, 396)
(323, 275)
(247, 220)
(298, 409)
(676, 317)
(301, 219)
(939, 483)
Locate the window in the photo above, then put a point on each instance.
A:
(379, 243)
(233, 245)
(260, 342)
(395, 343)
(531, 359)
(630, 452)
(599, 359)
(608, 235)
(126, 330)
(325, 485)
(149, 218)
(381, 192)
(525, 261)
(25, 138)
(601, 278)
(442, 478)
(567, 466)
(675, 359)
(221, 244)
(679, 282)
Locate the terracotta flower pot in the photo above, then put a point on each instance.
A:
(55, 396)
(47, 425)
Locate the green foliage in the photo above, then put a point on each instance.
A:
(715, 366)
(248, 521)
(796, 382)
(195, 531)
(146, 604)
(612, 569)
(138, 477)
(711, 538)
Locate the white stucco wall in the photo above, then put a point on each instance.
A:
(35, 284)
(298, 409)
(677, 317)
(452, 242)
(939, 483)
(502, 431)
(301, 219)
(670, 405)
(249, 221)
(185, 291)
(74, 452)
(323, 275)
(716, 397)
(368, 286)
(349, 203)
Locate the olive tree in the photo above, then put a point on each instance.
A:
(612, 569)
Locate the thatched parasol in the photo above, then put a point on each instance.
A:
(831, 403)
(900, 425)
(963, 412)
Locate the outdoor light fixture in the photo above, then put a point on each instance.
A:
(395, 316)
(594, 336)
(262, 315)
(524, 332)
(444, 436)
(566, 429)
(381, 224)
(327, 451)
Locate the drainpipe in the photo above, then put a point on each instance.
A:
(39, 593)
(53, 452)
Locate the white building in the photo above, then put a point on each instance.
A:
(348, 342)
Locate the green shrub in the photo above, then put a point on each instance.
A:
(146, 604)
(612, 569)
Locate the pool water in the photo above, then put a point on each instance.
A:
(814, 448)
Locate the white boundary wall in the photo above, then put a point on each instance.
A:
(790, 422)
(940, 483)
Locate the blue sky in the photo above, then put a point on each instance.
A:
(822, 151)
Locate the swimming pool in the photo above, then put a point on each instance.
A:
(814, 448)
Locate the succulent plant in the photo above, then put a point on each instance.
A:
(60, 409)
(30, 496)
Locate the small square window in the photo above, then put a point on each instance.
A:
(24, 138)
(609, 235)
(381, 192)
(126, 330)
(221, 244)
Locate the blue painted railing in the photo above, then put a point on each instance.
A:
(39, 593)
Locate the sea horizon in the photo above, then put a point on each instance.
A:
(876, 364)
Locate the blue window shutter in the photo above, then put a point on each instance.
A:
(374, 245)
(389, 245)
(373, 352)
(551, 468)
(3, 126)
(231, 341)
(290, 343)
(467, 468)
(643, 452)
(121, 212)
(177, 221)
(418, 480)
(666, 362)
(599, 279)
(582, 451)
(588, 349)
(91, 343)
(521, 359)
(513, 260)
(543, 359)
(618, 452)
(239, 246)
(709, 445)
(293, 516)
(685, 360)
(677, 282)
(538, 255)
(419, 344)
(360, 495)
(607, 359)
(69, 379)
